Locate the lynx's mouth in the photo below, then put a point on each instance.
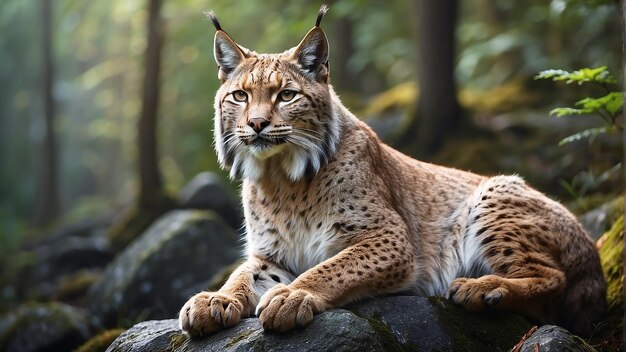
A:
(264, 147)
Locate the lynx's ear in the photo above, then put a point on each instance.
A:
(228, 55)
(312, 52)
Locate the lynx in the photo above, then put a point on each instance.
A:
(333, 215)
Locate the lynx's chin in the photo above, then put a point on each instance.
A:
(263, 150)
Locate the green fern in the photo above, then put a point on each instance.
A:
(599, 75)
(607, 107)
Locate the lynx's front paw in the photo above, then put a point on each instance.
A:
(209, 312)
(283, 308)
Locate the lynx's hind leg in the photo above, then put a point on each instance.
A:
(506, 223)
(527, 295)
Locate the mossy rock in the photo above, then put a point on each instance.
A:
(136, 219)
(208, 191)
(611, 246)
(101, 341)
(434, 324)
(154, 276)
(43, 327)
(398, 323)
(73, 288)
(599, 220)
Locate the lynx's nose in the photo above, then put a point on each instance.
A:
(258, 124)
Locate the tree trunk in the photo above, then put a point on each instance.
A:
(150, 184)
(48, 193)
(437, 109)
(152, 202)
(346, 80)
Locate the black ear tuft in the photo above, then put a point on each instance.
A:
(211, 15)
(320, 14)
(228, 55)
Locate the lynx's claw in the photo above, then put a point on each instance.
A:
(208, 312)
(283, 308)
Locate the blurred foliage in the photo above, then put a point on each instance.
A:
(608, 107)
(98, 49)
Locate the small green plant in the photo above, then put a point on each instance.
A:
(608, 107)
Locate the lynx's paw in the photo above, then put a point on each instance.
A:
(209, 312)
(477, 294)
(283, 308)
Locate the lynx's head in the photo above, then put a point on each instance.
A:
(273, 112)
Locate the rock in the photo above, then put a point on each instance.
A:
(43, 327)
(399, 323)
(47, 263)
(337, 330)
(61, 259)
(447, 327)
(154, 276)
(208, 191)
(551, 338)
(599, 220)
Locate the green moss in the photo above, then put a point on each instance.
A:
(100, 342)
(485, 331)
(611, 250)
(384, 334)
(137, 219)
(611, 246)
(177, 341)
(76, 285)
(237, 338)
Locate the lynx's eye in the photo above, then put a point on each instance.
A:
(286, 95)
(240, 96)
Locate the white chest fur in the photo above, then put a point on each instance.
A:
(293, 244)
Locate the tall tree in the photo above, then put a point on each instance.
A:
(152, 202)
(48, 192)
(150, 182)
(437, 108)
(346, 79)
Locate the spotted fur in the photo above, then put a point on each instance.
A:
(334, 215)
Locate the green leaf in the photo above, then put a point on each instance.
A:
(589, 133)
(599, 75)
(612, 103)
(546, 74)
(560, 112)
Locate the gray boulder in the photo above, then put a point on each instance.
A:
(59, 255)
(154, 276)
(43, 327)
(599, 220)
(399, 323)
(551, 338)
(209, 192)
